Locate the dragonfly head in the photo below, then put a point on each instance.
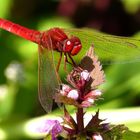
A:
(72, 45)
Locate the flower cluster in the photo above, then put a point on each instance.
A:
(83, 82)
(81, 92)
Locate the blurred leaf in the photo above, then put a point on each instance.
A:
(131, 6)
(137, 35)
(130, 135)
(54, 21)
(115, 132)
(7, 104)
(4, 7)
(122, 82)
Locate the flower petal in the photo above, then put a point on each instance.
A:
(50, 126)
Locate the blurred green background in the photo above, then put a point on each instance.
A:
(19, 62)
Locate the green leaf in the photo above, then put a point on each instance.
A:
(109, 48)
(48, 137)
(115, 132)
(131, 6)
(130, 135)
(4, 7)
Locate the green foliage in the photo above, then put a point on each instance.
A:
(4, 5)
(131, 6)
(129, 135)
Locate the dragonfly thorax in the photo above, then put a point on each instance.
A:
(56, 39)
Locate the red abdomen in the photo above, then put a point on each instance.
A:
(21, 31)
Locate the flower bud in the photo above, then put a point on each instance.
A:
(86, 104)
(97, 93)
(85, 75)
(93, 94)
(64, 89)
(97, 137)
(73, 94)
(90, 100)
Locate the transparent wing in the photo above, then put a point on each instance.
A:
(109, 48)
(48, 78)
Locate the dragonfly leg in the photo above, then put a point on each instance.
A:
(73, 63)
(66, 61)
(59, 61)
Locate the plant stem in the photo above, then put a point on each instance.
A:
(80, 122)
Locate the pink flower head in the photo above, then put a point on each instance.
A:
(52, 127)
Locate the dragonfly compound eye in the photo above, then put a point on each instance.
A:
(68, 46)
(77, 45)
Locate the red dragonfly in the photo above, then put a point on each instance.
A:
(107, 47)
(53, 39)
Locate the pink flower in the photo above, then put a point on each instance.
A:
(90, 98)
(93, 94)
(73, 94)
(85, 75)
(78, 77)
(97, 137)
(51, 127)
(69, 92)
(65, 89)
(97, 93)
